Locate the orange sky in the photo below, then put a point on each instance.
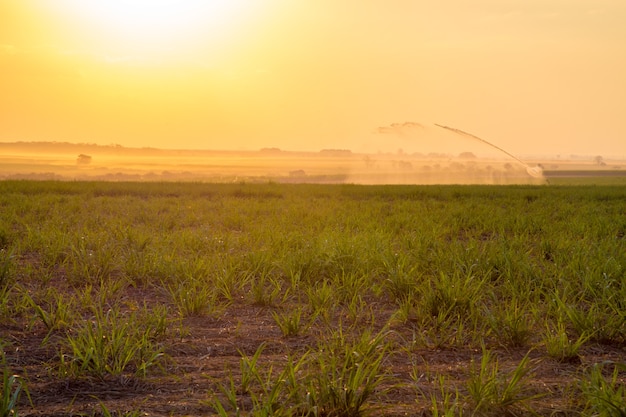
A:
(532, 76)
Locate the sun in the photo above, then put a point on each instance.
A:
(151, 25)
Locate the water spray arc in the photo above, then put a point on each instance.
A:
(535, 172)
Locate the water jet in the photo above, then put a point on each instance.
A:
(535, 172)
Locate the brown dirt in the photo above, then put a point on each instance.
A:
(207, 350)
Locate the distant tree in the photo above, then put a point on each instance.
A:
(83, 159)
(599, 160)
(405, 165)
(467, 155)
(457, 166)
(270, 150)
(298, 173)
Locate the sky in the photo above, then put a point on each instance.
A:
(531, 76)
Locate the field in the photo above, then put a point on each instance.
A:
(172, 298)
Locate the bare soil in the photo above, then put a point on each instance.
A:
(202, 353)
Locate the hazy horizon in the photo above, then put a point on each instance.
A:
(480, 162)
(532, 78)
(450, 147)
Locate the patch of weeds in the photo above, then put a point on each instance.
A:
(605, 397)
(452, 295)
(12, 386)
(195, 298)
(344, 375)
(560, 346)
(322, 300)
(338, 379)
(265, 290)
(6, 295)
(602, 321)
(139, 262)
(349, 285)
(406, 311)
(89, 262)
(228, 281)
(4, 239)
(512, 324)
(111, 344)
(6, 267)
(260, 391)
(358, 308)
(9, 304)
(441, 331)
(55, 315)
(290, 322)
(445, 402)
(495, 392)
(401, 277)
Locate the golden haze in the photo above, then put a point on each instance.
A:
(535, 77)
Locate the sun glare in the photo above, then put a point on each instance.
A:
(159, 24)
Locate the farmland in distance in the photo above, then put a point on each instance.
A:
(88, 162)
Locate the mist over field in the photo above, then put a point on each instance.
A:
(446, 157)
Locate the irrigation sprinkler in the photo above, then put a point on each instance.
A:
(535, 172)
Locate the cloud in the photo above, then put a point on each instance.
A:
(405, 129)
